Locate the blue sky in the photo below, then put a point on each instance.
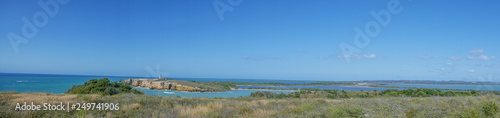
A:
(258, 39)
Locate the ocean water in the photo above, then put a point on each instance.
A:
(450, 86)
(57, 84)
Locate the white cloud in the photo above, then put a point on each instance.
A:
(456, 58)
(480, 57)
(356, 56)
(477, 52)
(443, 69)
(370, 56)
(471, 71)
(449, 64)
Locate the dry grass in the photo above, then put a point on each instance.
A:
(40, 98)
(261, 113)
(215, 106)
(133, 105)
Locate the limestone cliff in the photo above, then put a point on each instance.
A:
(163, 84)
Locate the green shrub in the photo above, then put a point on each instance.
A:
(265, 94)
(102, 86)
(489, 108)
(321, 101)
(346, 111)
(426, 92)
(308, 106)
(469, 113)
(245, 109)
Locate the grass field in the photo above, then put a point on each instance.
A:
(136, 105)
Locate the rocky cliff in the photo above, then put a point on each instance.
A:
(163, 84)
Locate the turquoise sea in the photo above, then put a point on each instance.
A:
(57, 84)
(29, 83)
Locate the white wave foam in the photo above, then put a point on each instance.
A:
(169, 92)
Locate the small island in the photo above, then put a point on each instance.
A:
(169, 85)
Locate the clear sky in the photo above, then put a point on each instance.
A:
(258, 39)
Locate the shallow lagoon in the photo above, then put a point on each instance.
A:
(232, 93)
(347, 88)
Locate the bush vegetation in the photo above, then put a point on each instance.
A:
(102, 86)
(335, 94)
(136, 105)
